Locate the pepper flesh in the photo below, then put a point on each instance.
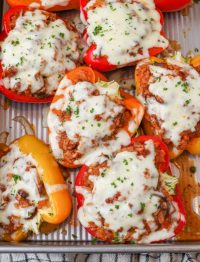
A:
(72, 4)
(194, 144)
(172, 5)
(59, 199)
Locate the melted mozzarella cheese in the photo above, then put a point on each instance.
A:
(40, 52)
(51, 3)
(19, 172)
(180, 110)
(125, 175)
(84, 126)
(121, 30)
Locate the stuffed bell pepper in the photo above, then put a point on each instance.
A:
(120, 33)
(89, 117)
(32, 189)
(170, 91)
(141, 203)
(37, 48)
(50, 5)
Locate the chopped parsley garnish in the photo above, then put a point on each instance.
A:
(76, 111)
(111, 7)
(61, 35)
(116, 238)
(117, 206)
(187, 102)
(130, 215)
(17, 178)
(74, 236)
(113, 184)
(94, 241)
(71, 99)
(175, 123)
(125, 161)
(97, 30)
(92, 110)
(193, 169)
(103, 173)
(185, 87)
(142, 205)
(68, 110)
(15, 42)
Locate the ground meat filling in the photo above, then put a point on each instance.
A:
(37, 52)
(144, 78)
(163, 215)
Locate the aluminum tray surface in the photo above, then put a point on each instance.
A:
(70, 236)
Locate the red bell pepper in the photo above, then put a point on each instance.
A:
(7, 22)
(162, 165)
(172, 5)
(101, 63)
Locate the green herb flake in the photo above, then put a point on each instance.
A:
(76, 111)
(117, 206)
(61, 34)
(15, 42)
(94, 241)
(97, 30)
(142, 206)
(193, 169)
(68, 110)
(125, 161)
(16, 178)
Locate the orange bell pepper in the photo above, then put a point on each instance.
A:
(58, 206)
(194, 144)
(71, 4)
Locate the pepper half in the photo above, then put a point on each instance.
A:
(193, 145)
(7, 22)
(101, 63)
(58, 206)
(163, 166)
(130, 103)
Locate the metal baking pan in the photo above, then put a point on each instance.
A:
(70, 236)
